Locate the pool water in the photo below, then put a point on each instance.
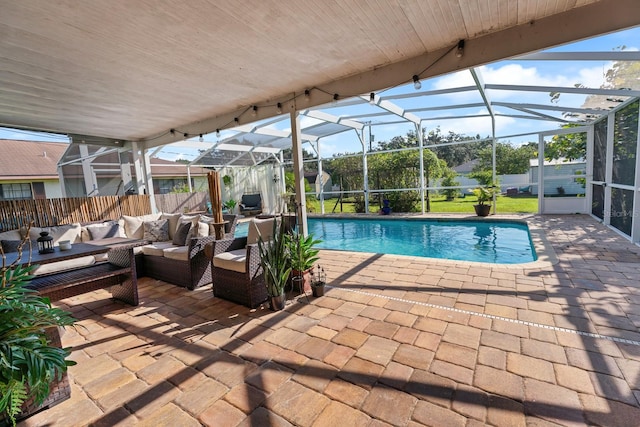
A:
(498, 242)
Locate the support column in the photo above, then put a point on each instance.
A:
(298, 171)
(144, 181)
(540, 174)
(90, 181)
(320, 177)
(421, 145)
(365, 172)
(125, 171)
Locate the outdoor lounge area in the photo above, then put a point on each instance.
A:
(146, 121)
(395, 341)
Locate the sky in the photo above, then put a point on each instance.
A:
(548, 73)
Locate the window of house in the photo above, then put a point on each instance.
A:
(165, 186)
(15, 191)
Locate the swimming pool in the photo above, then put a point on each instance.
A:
(497, 242)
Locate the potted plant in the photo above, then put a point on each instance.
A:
(276, 266)
(303, 256)
(484, 195)
(230, 205)
(30, 363)
(318, 281)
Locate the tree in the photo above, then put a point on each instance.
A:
(455, 154)
(570, 146)
(509, 159)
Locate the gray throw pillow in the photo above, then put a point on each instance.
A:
(12, 245)
(103, 231)
(156, 231)
(180, 238)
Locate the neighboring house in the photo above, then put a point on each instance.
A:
(561, 177)
(29, 170)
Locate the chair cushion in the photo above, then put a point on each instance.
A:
(156, 248)
(232, 260)
(181, 253)
(251, 201)
(260, 227)
(156, 231)
(11, 235)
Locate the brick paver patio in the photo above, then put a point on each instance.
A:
(399, 341)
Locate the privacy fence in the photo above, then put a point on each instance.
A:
(51, 212)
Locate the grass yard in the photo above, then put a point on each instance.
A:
(504, 204)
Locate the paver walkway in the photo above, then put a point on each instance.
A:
(400, 341)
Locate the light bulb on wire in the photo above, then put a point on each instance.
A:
(416, 82)
(335, 99)
(372, 98)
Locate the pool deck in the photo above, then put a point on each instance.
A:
(400, 341)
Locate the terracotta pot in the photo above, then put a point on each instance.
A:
(306, 276)
(278, 302)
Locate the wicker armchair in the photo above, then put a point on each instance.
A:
(235, 263)
(197, 271)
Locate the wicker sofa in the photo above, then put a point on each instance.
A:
(184, 265)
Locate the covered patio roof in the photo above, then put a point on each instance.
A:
(114, 73)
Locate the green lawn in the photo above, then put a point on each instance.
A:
(504, 204)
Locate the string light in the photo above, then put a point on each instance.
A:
(279, 108)
(307, 95)
(335, 99)
(372, 98)
(201, 139)
(217, 133)
(416, 82)
(236, 120)
(460, 49)
(254, 111)
(186, 136)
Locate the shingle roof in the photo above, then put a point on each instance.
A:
(38, 160)
(30, 159)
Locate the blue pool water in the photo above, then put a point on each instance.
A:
(498, 242)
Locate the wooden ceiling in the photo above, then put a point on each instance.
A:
(134, 70)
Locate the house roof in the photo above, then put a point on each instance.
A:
(153, 72)
(29, 160)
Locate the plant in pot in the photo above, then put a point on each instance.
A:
(230, 205)
(276, 266)
(29, 362)
(318, 281)
(303, 255)
(484, 195)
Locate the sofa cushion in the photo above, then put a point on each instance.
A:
(55, 267)
(103, 231)
(260, 227)
(156, 231)
(181, 253)
(232, 260)
(69, 232)
(133, 227)
(173, 222)
(156, 248)
(180, 236)
(11, 235)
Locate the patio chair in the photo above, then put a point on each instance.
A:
(251, 204)
(235, 264)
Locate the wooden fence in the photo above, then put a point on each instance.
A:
(182, 202)
(50, 212)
